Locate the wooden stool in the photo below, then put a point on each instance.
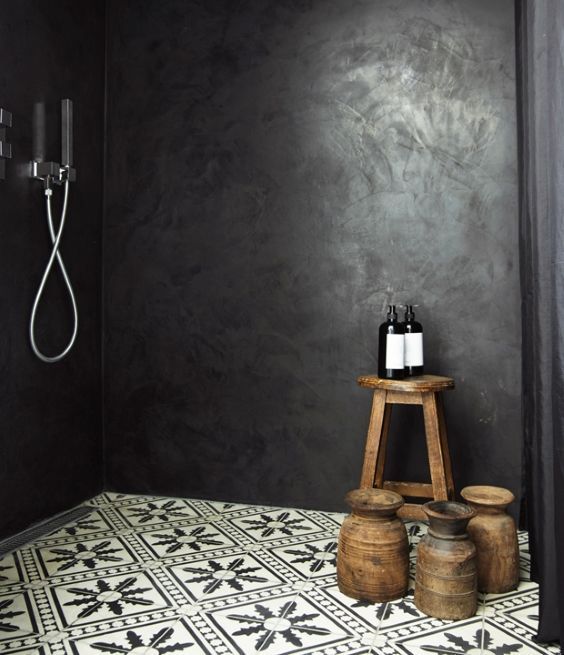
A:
(423, 390)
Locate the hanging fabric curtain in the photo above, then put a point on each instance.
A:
(540, 49)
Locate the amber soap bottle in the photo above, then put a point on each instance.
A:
(413, 354)
(391, 363)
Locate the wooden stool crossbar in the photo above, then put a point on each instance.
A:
(424, 390)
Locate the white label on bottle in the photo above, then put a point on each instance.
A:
(394, 351)
(414, 349)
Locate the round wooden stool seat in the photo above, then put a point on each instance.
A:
(424, 390)
(420, 383)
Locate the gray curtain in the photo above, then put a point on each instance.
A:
(540, 56)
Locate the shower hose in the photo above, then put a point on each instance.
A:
(55, 254)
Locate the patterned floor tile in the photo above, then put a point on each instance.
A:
(310, 559)
(85, 526)
(11, 569)
(219, 577)
(157, 512)
(84, 556)
(402, 612)
(230, 508)
(472, 637)
(361, 616)
(149, 575)
(173, 636)
(287, 624)
(186, 540)
(276, 524)
(527, 614)
(17, 618)
(106, 597)
(510, 598)
(415, 531)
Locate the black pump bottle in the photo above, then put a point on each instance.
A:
(413, 344)
(391, 347)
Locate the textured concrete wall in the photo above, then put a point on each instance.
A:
(278, 172)
(50, 421)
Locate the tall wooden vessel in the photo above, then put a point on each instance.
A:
(373, 553)
(494, 533)
(445, 577)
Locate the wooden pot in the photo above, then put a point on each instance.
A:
(373, 553)
(445, 574)
(495, 536)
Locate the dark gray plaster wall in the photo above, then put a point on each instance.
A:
(50, 419)
(278, 172)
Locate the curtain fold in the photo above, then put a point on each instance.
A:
(540, 64)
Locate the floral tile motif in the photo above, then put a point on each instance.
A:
(398, 612)
(225, 576)
(17, 618)
(276, 524)
(186, 540)
(288, 624)
(358, 614)
(102, 598)
(115, 499)
(471, 637)
(310, 559)
(11, 570)
(415, 531)
(155, 638)
(157, 512)
(228, 508)
(87, 525)
(84, 556)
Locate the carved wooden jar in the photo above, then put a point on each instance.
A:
(445, 574)
(495, 536)
(373, 553)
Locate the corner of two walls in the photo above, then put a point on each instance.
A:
(276, 174)
(50, 414)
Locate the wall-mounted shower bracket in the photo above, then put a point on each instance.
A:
(5, 148)
(51, 172)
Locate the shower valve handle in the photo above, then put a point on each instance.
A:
(43, 169)
(52, 170)
(5, 147)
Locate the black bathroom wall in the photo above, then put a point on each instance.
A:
(50, 418)
(279, 171)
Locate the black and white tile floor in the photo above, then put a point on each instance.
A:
(149, 576)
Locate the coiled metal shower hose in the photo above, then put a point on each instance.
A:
(56, 240)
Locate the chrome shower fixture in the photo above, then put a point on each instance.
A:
(5, 148)
(50, 172)
(54, 172)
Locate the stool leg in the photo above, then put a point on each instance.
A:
(373, 439)
(444, 446)
(434, 447)
(381, 459)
